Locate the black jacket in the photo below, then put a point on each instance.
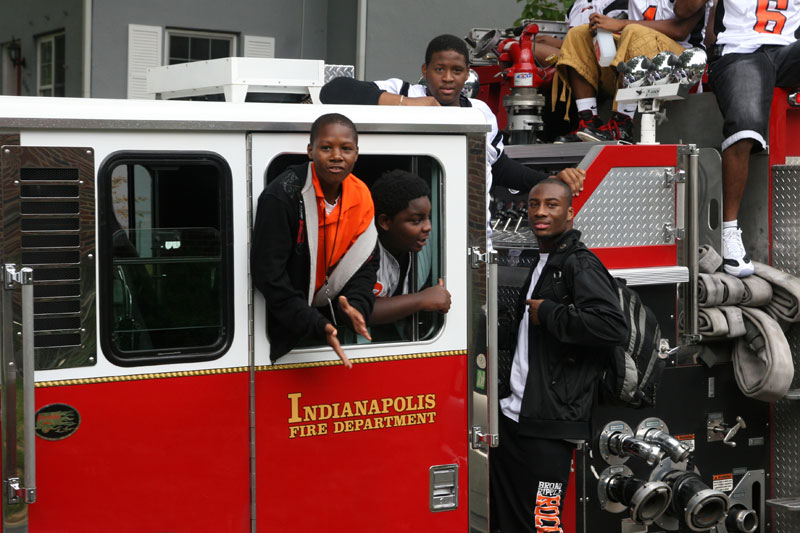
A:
(568, 351)
(280, 264)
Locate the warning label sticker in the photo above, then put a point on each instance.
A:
(723, 482)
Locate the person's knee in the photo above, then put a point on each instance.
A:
(635, 31)
(578, 34)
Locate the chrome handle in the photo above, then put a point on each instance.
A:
(24, 278)
(492, 372)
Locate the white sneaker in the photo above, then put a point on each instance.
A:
(734, 256)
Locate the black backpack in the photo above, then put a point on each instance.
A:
(634, 371)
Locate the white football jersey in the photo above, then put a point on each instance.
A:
(742, 26)
(583, 9)
(664, 10)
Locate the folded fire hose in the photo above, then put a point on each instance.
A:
(708, 260)
(719, 289)
(762, 359)
(719, 323)
(785, 302)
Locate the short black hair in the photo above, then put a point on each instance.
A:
(555, 181)
(332, 118)
(444, 43)
(395, 189)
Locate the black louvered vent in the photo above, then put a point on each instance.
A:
(50, 222)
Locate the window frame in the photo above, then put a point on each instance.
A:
(105, 205)
(194, 34)
(50, 38)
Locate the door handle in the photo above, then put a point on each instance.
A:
(24, 278)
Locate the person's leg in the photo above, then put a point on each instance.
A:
(528, 481)
(743, 85)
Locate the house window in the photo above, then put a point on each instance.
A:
(50, 58)
(184, 46)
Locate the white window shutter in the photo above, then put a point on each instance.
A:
(259, 46)
(144, 50)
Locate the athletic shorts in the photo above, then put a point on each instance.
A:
(743, 84)
(528, 481)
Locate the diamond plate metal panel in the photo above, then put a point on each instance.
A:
(786, 413)
(339, 71)
(628, 208)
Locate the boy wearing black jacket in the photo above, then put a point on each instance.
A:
(560, 352)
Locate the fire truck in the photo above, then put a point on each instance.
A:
(137, 389)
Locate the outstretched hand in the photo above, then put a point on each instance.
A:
(574, 178)
(331, 337)
(436, 298)
(359, 324)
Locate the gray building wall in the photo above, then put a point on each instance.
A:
(299, 29)
(28, 20)
(398, 32)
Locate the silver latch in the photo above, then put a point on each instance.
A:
(483, 440)
(673, 175)
(476, 257)
(13, 490)
(23, 276)
(672, 233)
(443, 487)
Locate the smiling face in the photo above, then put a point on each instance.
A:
(409, 229)
(445, 75)
(549, 213)
(334, 153)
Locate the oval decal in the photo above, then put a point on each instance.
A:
(57, 421)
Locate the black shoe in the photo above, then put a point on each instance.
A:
(588, 123)
(618, 128)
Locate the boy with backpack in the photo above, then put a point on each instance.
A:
(561, 351)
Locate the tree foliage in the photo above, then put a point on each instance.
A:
(544, 9)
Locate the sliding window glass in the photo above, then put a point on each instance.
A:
(165, 240)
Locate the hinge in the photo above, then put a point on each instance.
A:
(476, 257)
(483, 440)
(672, 233)
(672, 176)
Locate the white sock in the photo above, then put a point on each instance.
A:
(587, 104)
(627, 109)
(730, 224)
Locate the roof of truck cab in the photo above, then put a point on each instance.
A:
(32, 112)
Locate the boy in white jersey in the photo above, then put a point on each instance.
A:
(559, 355)
(652, 27)
(756, 51)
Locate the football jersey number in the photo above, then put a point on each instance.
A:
(769, 19)
(650, 13)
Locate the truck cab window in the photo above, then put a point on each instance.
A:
(165, 241)
(426, 266)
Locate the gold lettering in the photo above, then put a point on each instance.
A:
(325, 411)
(361, 408)
(373, 407)
(338, 427)
(294, 400)
(402, 404)
(310, 413)
(430, 401)
(431, 417)
(347, 410)
(387, 403)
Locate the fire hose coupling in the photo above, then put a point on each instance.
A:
(617, 443)
(740, 518)
(654, 431)
(618, 490)
(694, 504)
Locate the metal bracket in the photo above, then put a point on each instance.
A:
(672, 233)
(476, 257)
(483, 440)
(13, 490)
(672, 176)
(23, 276)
